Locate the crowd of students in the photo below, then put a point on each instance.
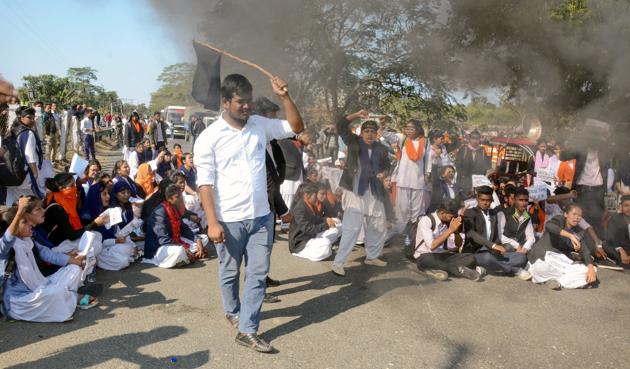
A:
(358, 182)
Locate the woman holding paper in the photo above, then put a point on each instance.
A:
(117, 252)
(29, 295)
(61, 220)
(131, 208)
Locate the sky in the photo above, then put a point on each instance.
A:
(123, 40)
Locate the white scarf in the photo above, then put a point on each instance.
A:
(27, 266)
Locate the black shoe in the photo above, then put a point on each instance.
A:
(608, 264)
(272, 282)
(233, 320)
(254, 342)
(270, 299)
(468, 273)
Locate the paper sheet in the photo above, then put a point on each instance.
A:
(86, 247)
(77, 165)
(115, 216)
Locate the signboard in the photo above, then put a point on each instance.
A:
(545, 175)
(537, 192)
(611, 202)
(480, 180)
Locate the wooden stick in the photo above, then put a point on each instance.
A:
(246, 62)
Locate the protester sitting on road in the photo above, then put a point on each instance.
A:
(483, 239)
(515, 226)
(29, 295)
(164, 163)
(311, 235)
(188, 168)
(136, 158)
(170, 243)
(117, 252)
(551, 258)
(618, 234)
(122, 172)
(327, 205)
(438, 240)
(178, 157)
(62, 222)
(145, 181)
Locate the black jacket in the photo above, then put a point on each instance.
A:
(131, 136)
(617, 232)
(552, 241)
(305, 226)
(475, 229)
(294, 165)
(440, 193)
(159, 232)
(275, 177)
(466, 166)
(352, 162)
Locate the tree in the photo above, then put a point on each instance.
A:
(176, 87)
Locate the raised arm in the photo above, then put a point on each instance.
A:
(293, 115)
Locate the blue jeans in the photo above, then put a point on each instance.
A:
(251, 240)
(88, 144)
(509, 264)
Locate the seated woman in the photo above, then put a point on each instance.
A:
(327, 204)
(131, 224)
(117, 252)
(62, 223)
(28, 295)
(169, 241)
(310, 234)
(88, 177)
(164, 163)
(551, 257)
(145, 181)
(121, 172)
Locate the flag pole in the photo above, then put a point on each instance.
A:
(243, 61)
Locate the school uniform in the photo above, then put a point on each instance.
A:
(309, 234)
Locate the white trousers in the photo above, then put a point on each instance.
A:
(320, 247)
(411, 204)
(53, 302)
(375, 234)
(116, 256)
(170, 256)
(559, 267)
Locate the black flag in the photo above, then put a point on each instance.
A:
(206, 86)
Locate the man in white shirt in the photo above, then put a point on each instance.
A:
(232, 187)
(87, 128)
(438, 239)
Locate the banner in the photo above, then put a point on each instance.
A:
(537, 192)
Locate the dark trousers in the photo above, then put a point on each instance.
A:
(495, 263)
(88, 145)
(613, 253)
(591, 199)
(332, 152)
(446, 261)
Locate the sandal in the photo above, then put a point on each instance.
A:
(87, 302)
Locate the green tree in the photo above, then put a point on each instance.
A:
(176, 87)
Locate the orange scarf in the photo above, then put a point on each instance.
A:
(136, 125)
(178, 157)
(68, 200)
(146, 179)
(410, 149)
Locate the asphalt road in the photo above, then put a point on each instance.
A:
(392, 317)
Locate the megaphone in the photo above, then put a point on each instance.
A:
(531, 127)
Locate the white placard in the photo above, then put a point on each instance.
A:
(480, 180)
(77, 165)
(470, 203)
(545, 175)
(537, 192)
(86, 248)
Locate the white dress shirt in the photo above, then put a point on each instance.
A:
(232, 160)
(425, 236)
(87, 127)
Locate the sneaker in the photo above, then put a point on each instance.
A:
(254, 342)
(338, 270)
(436, 274)
(481, 270)
(553, 284)
(375, 262)
(270, 299)
(468, 273)
(523, 275)
(608, 264)
(233, 320)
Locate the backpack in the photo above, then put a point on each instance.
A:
(12, 162)
(410, 231)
